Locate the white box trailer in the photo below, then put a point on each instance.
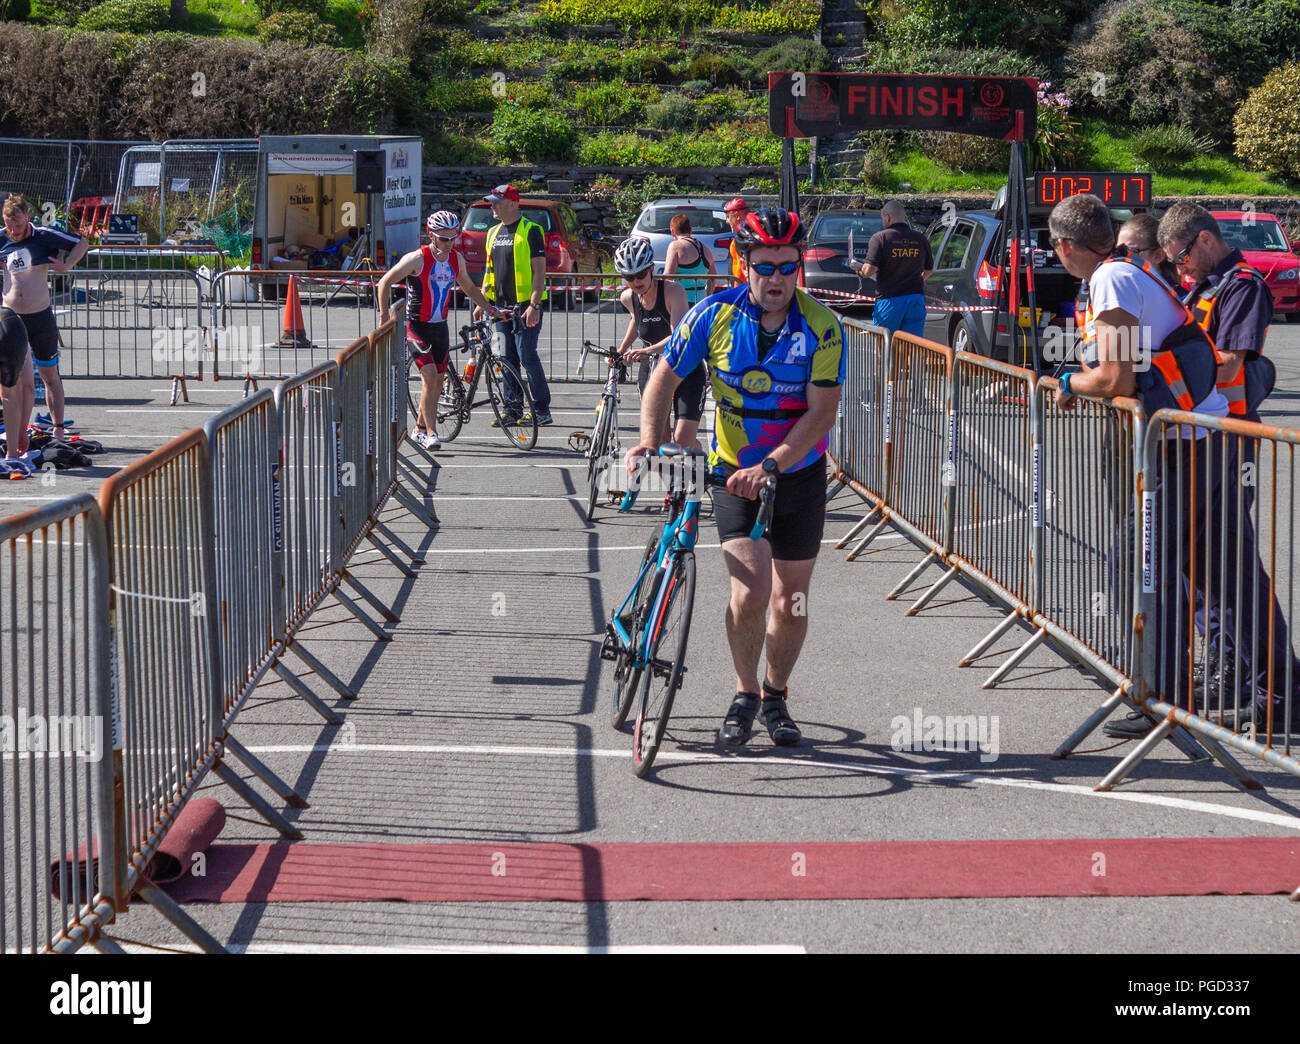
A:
(305, 197)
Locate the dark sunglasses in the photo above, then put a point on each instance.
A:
(636, 277)
(1181, 257)
(767, 268)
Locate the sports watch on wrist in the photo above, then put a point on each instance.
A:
(770, 466)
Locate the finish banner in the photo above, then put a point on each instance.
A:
(804, 104)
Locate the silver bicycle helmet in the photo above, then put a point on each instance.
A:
(633, 256)
(443, 223)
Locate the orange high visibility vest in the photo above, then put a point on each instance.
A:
(1234, 389)
(1181, 362)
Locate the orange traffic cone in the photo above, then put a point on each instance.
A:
(294, 333)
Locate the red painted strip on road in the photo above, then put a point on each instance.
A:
(306, 872)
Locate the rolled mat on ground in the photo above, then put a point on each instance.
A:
(199, 823)
(307, 872)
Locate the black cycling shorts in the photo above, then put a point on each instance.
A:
(798, 513)
(431, 342)
(43, 335)
(689, 398)
(13, 347)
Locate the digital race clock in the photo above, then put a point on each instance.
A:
(1047, 188)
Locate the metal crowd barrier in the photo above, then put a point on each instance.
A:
(163, 619)
(60, 866)
(255, 331)
(356, 440)
(865, 429)
(132, 323)
(1219, 584)
(155, 257)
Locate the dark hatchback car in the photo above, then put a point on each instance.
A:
(968, 251)
(826, 256)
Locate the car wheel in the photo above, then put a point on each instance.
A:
(964, 339)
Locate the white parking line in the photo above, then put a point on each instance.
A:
(796, 762)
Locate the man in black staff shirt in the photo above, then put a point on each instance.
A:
(898, 259)
(516, 275)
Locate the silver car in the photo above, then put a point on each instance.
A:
(708, 225)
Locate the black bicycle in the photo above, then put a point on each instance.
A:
(603, 449)
(502, 384)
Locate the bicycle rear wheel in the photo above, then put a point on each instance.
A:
(503, 384)
(663, 673)
(627, 678)
(597, 458)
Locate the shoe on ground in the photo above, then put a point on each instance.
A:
(508, 420)
(427, 440)
(544, 419)
(1134, 725)
(776, 718)
(739, 722)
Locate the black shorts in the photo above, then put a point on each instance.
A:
(430, 342)
(798, 513)
(13, 347)
(688, 399)
(43, 335)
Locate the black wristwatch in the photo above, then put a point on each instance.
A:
(770, 466)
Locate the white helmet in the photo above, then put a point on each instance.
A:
(633, 255)
(443, 222)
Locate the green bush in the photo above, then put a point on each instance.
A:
(1268, 123)
(965, 153)
(793, 54)
(607, 104)
(1038, 27)
(462, 95)
(1277, 25)
(531, 135)
(696, 88)
(783, 18)
(451, 148)
(732, 144)
(714, 69)
(530, 94)
(298, 27)
(644, 67)
(1169, 146)
(127, 16)
(1166, 61)
(65, 12)
(672, 112)
(983, 61)
(266, 8)
(15, 10)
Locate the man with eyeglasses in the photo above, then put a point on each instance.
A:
(899, 260)
(1234, 307)
(776, 365)
(1138, 236)
(1139, 340)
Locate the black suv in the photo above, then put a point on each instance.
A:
(968, 250)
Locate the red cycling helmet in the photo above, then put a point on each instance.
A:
(771, 228)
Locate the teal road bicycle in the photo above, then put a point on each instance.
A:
(646, 637)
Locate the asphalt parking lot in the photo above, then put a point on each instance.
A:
(484, 722)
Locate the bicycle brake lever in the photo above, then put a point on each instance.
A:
(764, 511)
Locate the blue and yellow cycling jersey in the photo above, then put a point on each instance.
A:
(759, 400)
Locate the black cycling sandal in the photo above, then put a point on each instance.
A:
(739, 723)
(776, 717)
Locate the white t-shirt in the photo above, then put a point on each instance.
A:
(1122, 285)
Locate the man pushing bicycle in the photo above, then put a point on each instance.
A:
(776, 363)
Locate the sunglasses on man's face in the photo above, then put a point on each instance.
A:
(1181, 257)
(767, 268)
(445, 239)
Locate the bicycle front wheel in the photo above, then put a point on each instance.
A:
(597, 459)
(627, 678)
(451, 405)
(669, 632)
(518, 421)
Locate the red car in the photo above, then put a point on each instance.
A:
(569, 246)
(1264, 245)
